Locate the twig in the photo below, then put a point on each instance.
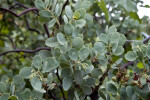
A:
(31, 29)
(23, 12)
(60, 86)
(60, 20)
(127, 64)
(46, 29)
(26, 51)
(51, 95)
(146, 40)
(102, 79)
(11, 40)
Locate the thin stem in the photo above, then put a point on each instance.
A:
(60, 86)
(26, 51)
(46, 29)
(11, 40)
(22, 13)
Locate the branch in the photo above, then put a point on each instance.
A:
(146, 40)
(23, 12)
(25, 51)
(102, 79)
(11, 40)
(31, 29)
(60, 86)
(62, 11)
(46, 29)
(127, 64)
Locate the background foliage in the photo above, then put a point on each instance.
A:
(73, 50)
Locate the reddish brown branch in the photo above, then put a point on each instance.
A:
(25, 51)
(31, 29)
(22, 13)
(11, 40)
(46, 29)
(60, 86)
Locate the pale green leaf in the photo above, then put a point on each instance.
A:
(68, 11)
(61, 38)
(25, 72)
(99, 46)
(68, 29)
(37, 61)
(67, 81)
(77, 43)
(78, 77)
(51, 42)
(39, 4)
(130, 56)
(80, 23)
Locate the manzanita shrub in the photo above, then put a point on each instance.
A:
(81, 61)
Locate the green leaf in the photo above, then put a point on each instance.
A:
(4, 96)
(144, 89)
(78, 76)
(140, 65)
(102, 5)
(87, 90)
(130, 56)
(130, 5)
(102, 95)
(83, 53)
(68, 29)
(52, 63)
(67, 81)
(96, 73)
(119, 50)
(51, 23)
(25, 72)
(135, 16)
(44, 54)
(111, 29)
(89, 19)
(80, 23)
(65, 19)
(68, 11)
(13, 97)
(82, 12)
(37, 61)
(49, 78)
(130, 92)
(76, 15)
(39, 4)
(111, 88)
(122, 40)
(123, 94)
(58, 9)
(148, 52)
(77, 43)
(61, 38)
(47, 3)
(65, 72)
(99, 46)
(73, 54)
(103, 38)
(37, 84)
(114, 37)
(86, 4)
(51, 42)
(2, 87)
(135, 97)
(45, 13)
